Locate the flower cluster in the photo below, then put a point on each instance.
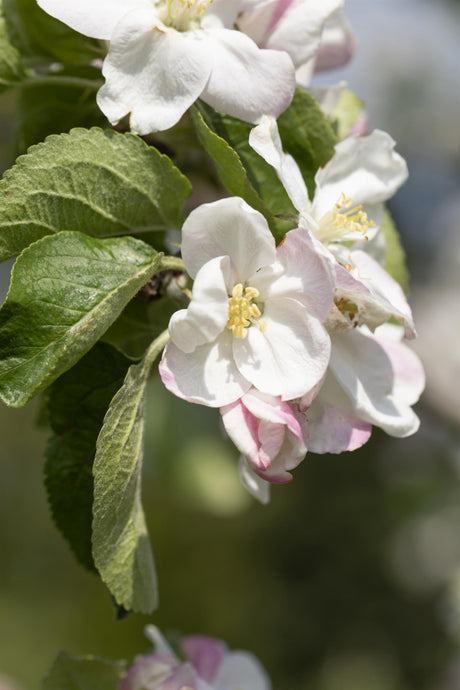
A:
(208, 665)
(299, 345)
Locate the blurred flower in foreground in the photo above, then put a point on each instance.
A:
(209, 665)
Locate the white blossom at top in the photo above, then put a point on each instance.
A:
(164, 54)
(256, 314)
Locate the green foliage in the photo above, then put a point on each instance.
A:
(54, 107)
(346, 113)
(94, 181)
(11, 67)
(77, 403)
(121, 545)
(241, 169)
(65, 292)
(394, 260)
(83, 673)
(38, 35)
(307, 135)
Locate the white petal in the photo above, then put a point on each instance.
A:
(365, 373)
(241, 670)
(152, 72)
(221, 14)
(366, 169)
(207, 313)
(228, 227)
(96, 19)
(307, 277)
(337, 44)
(265, 140)
(386, 294)
(409, 381)
(299, 29)
(207, 376)
(257, 487)
(245, 81)
(243, 429)
(290, 356)
(159, 642)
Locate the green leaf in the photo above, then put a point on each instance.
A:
(77, 403)
(121, 546)
(307, 135)
(55, 107)
(66, 290)
(94, 181)
(394, 260)
(11, 67)
(38, 35)
(243, 172)
(83, 673)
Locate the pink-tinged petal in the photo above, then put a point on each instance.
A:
(184, 677)
(383, 289)
(291, 454)
(308, 276)
(271, 409)
(207, 376)
(228, 227)
(205, 653)
(290, 356)
(257, 487)
(207, 313)
(365, 373)
(265, 140)
(243, 429)
(258, 17)
(409, 381)
(330, 429)
(337, 45)
(152, 72)
(95, 19)
(299, 28)
(149, 672)
(365, 169)
(243, 671)
(264, 80)
(271, 437)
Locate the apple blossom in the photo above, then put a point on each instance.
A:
(267, 432)
(372, 379)
(297, 27)
(164, 54)
(348, 206)
(209, 665)
(256, 314)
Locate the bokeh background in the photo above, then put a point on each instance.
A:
(350, 578)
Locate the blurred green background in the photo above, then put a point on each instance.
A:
(350, 578)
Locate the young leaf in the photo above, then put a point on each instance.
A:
(94, 181)
(307, 135)
(66, 290)
(77, 403)
(83, 673)
(38, 35)
(121, 546)
(243, 172)
(56, 106)
(394, 260)
(11, 67)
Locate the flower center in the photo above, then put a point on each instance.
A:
(344, 223)
(182, 15)
(242, 312)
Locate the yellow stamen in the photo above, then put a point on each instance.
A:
(242, 313)
(344, 223)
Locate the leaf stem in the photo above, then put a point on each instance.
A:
(172, 262)
(60, 80)
(154, 350)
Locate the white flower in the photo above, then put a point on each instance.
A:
(267, 432)
(295, 26)
(164, 54)
(209, 666)
(256, 313)
(348, 206)
(372, 379)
